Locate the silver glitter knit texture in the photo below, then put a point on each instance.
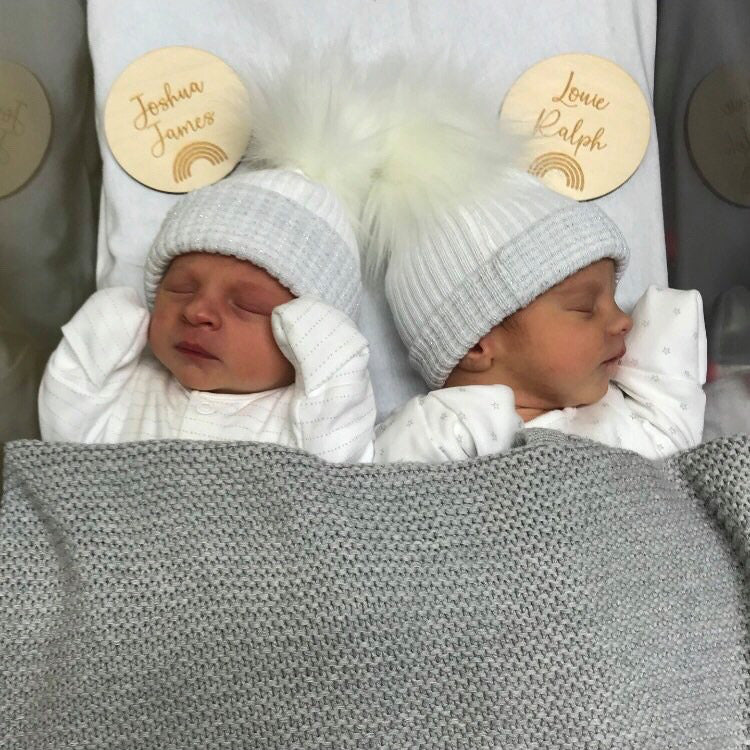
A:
(237, 217)
(174, 594)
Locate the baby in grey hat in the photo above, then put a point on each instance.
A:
(252, 287)
(503, 292)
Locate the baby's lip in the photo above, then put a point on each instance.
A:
(620, 355)
(190, 347)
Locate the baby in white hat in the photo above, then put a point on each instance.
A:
(503, 292)
(252, 286)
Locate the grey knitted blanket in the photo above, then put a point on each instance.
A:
(180, 595)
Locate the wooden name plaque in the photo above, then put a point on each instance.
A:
(587, 119)
(178, 118)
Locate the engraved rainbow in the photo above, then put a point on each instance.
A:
(187, 155)
(556, 160)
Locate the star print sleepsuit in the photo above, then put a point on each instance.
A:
(103, 385)
(654, 404)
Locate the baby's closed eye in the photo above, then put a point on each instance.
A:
(176, 289)
(586, 311)
(254, 307)
(585, 304)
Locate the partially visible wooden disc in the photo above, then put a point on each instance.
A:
(718, 132)
(178, 118)
(25, 125)
(588, 120)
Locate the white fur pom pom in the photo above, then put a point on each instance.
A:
(443, 147)
(314, 115)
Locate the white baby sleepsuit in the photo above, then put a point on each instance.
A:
(103, 384)
(654, 404)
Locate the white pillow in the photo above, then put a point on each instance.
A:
(500, 39)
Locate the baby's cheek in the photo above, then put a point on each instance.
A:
(153, 330)
(574, 358)
(156, 328)
(262, 356)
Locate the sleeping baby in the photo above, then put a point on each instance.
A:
(503, 292)
(251, 285)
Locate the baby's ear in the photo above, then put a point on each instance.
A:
(479, 358)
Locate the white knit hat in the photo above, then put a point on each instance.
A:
(466, 239)
(293, 205)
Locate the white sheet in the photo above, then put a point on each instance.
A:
(498, 38)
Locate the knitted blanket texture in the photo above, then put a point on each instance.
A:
(176, 594)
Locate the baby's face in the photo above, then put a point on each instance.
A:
(571, 332)
(211, 325)
(554, 352)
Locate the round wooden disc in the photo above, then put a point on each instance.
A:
(588, 120)
(718, 132)
(178, 118)
(25, 125)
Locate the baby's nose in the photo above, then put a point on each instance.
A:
(625, 322)
(201, 311)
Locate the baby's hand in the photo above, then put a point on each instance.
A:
(668, 335)
(320, 341)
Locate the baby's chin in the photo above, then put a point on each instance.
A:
(196, 383)
(197, 376)
(590, 395)
(199, 381)
(598, 392)
(193, 378)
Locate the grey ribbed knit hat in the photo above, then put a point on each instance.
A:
(465, 238)
(280, 220)
(487, 260)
